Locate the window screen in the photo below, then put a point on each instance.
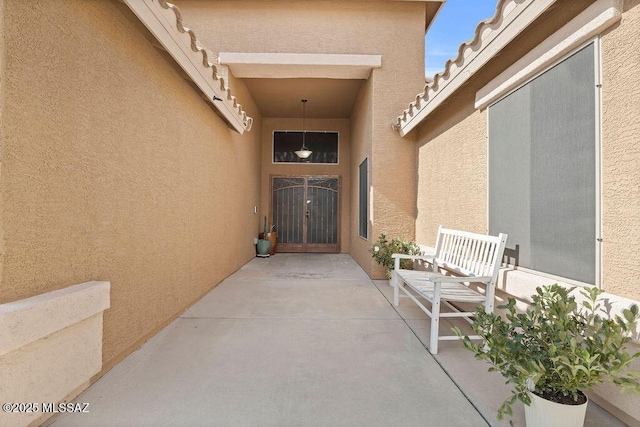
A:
(363, 200)
(324, 147)
(542, 170)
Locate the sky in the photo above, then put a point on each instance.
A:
(455, 24)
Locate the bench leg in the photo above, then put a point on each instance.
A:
(396, 290)
(394, 282)
(435, 319)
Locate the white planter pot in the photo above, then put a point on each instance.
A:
(544, 413)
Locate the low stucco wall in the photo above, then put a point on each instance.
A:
(50, 347)
(114, 168)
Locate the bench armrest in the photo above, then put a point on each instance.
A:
(414, 257)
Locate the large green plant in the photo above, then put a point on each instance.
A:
(557, 348)
(382, 250)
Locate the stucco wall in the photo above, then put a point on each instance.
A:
(361, 149)
(115, 169)
(341, 169)
(302, 26)
(394, 30)
(452, 174)
(621, 154)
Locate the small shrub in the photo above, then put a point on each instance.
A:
(557, 348)
(382, 250)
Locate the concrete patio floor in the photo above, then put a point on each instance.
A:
(299, 340)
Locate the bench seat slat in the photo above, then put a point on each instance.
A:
(455, 291)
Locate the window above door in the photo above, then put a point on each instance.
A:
(324, 147)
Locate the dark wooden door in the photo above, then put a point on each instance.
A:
(305, 212)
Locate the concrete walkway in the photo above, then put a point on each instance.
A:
(293, 340)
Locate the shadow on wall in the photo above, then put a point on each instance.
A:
(512, 256)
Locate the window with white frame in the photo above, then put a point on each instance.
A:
(543, 169)
(363, 200)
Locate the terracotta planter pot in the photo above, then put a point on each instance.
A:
(545, 413)
(273, 237)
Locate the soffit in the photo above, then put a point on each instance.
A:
(300, 65)
(328, 98)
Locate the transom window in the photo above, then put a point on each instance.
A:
(324, 147)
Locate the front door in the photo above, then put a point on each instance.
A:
(305, 213)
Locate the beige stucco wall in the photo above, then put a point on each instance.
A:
(360, 149)
(269, 169)
(452, 174)
(303, 26)
(621, 154)
(50, 347)
(115, 169)
(394, 30)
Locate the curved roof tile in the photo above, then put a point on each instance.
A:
(196, 47)
(432, 88)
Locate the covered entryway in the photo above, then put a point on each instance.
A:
(305, 212)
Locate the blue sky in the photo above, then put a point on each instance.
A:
(454, 25)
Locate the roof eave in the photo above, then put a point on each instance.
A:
(164, 21)
(512, 16)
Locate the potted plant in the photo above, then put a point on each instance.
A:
(272, 236)
(382, 250)
(264, 244)
(555, 351)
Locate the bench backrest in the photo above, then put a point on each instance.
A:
(470, 254)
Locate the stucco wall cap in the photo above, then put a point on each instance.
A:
(491, 35)
(28, 320)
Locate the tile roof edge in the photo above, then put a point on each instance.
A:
(196, 47)
(431, 88)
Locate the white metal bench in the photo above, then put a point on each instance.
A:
(473, 258)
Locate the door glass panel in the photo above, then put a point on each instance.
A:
(288, 209)
(322, 208)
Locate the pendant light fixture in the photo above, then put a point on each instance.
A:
(303, 152)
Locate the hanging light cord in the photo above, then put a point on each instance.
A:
(304, 109)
